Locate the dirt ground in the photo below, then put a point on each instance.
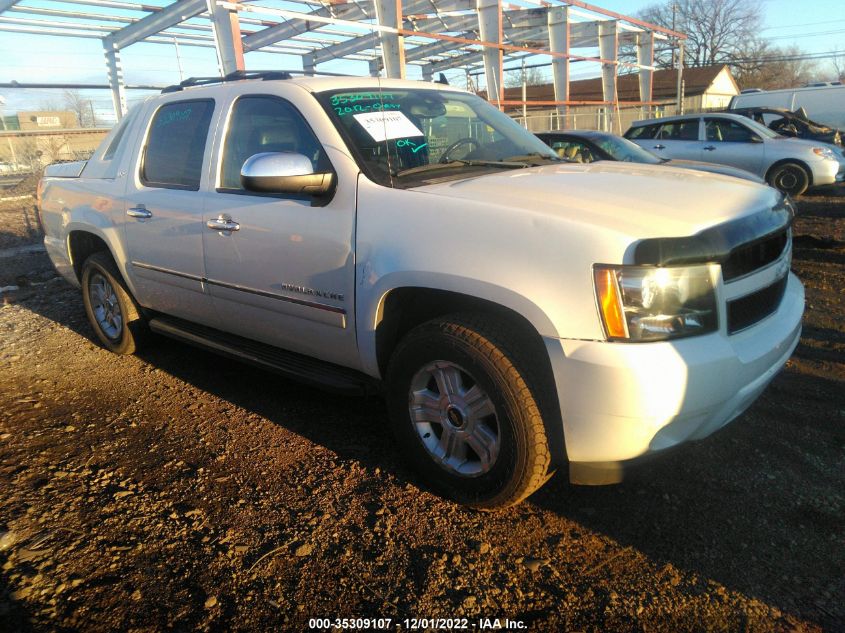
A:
(180, 491)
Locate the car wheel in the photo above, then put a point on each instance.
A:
(790, 178)
(111, 310)
(464, 414)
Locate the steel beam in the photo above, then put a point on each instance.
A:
(6, 4)
(157, 22)
(680, 87)
(645, 57)
(227, 37)
(437, 48)
(389, 13)
(559, 43)
(349, 47)
(115, 74)
(490, 30)
(292, 28)
(608, 50)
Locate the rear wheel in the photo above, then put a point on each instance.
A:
(790, 178)
(111, 310)
(464, 414)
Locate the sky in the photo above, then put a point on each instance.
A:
(815, 26)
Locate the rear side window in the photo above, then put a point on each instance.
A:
(118, 137)
(679, 131)
(176, 145)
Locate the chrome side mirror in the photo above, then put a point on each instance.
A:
(284, 172)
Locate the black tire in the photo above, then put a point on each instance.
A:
(133, 331)
(790, 178)
(482, 351)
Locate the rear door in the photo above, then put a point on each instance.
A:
(286, 275)
(729, 142)
(677, 139)
(164, 203)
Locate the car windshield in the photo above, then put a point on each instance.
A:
(623, 149)
(403, 137)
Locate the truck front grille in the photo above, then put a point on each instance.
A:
(748, 310)
(746, 259)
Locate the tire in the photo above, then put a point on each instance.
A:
(111, 310)
(484, 444)
(790, 178)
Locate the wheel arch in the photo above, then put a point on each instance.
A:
(81, 244)
(793, 161)
(404, 308)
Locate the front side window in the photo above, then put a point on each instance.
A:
(725, 131)
(176, 145)
(260, 124)
(624, 150)
(402, 136)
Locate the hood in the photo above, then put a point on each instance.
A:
(637, 200)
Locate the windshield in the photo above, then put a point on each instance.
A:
(623, 149)
(401, 137)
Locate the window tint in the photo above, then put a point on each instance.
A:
(679, 131)
(176, 145)
(266, 124)
(727, 131)
(643, 132)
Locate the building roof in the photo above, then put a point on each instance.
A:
(696, 82)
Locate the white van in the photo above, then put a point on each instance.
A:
(824, 104)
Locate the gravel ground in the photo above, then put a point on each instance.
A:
(180, 491)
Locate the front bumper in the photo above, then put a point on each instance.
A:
(826, 172)
(621, 401)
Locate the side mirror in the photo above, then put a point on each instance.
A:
(756, 139)
(284, 172)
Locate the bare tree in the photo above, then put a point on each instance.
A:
(771, 68)
(838, 63)
(81, 108)
(717, 30)
(533, 77)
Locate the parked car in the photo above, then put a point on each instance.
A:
(825, 104)
(788, 123)
(518, 312)
(788, 164)
(587, 146)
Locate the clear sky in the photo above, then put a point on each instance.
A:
(816, 26)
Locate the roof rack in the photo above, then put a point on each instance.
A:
(241, 75)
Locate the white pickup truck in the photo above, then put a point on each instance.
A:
(520, 313)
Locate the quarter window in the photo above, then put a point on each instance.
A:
(266, 124)
(176, 145)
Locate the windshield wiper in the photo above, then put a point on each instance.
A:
(460, 162)
(536, 155)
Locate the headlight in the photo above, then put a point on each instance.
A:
(824, 152)
(646, 303)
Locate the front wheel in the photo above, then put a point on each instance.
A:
(464, 414)
(111, 310)
(790, 178)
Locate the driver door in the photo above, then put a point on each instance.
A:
(285, 276)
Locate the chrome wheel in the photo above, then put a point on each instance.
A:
(105, 306)
(454, 418)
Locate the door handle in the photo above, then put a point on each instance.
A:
(709, 148)
(139, 212)
(223, 223)
(659, 146)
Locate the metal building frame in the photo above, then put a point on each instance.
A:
(436, 35)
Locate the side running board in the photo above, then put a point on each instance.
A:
(296, 366)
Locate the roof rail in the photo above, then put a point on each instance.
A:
(241, 75)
